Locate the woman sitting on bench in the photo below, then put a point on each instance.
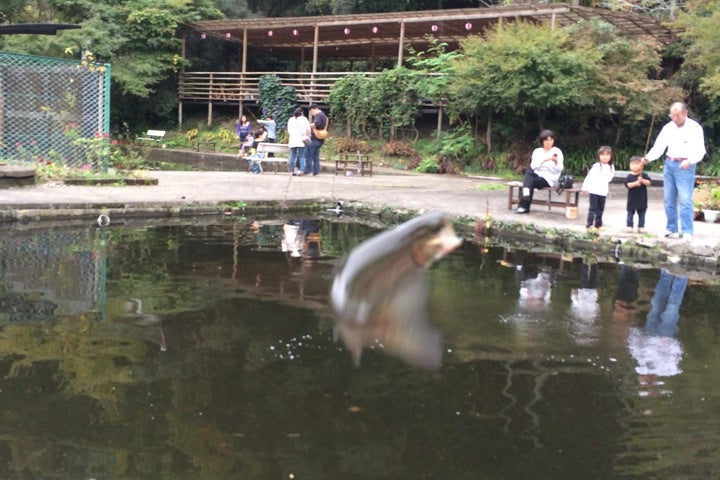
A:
(546, 165)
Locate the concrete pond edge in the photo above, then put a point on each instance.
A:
(696, 261)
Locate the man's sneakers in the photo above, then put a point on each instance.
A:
(686, 237)
(522, 210)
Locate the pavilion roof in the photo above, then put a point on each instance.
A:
(377, 34)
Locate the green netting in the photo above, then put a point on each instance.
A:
(53, 110)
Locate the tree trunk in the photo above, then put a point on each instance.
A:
(488, 132)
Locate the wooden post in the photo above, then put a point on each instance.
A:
(242, 73)
(210, 97)
(315, 59)
(182, 71)
(439, 120)
(400, 44)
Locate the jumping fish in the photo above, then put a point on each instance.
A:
(379, 292)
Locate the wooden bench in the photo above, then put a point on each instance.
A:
(349, 162)
(155, 136)
(569, 197)
(261, 155)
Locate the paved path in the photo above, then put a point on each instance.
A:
(456, 195)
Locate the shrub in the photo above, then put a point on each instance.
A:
(351, 145)
(397, 148)
(427, 165)
(707, 196)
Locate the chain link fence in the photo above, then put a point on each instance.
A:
(54, 111)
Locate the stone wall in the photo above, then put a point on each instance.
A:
(209, 161)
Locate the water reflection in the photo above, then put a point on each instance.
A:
(301, 238)
(584, 306)
(154, 352)
(663, 318)
(626, 294)
(134, 322)
(535, 291)
(655, 349)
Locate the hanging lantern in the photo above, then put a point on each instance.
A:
(468, 26)
(347, 31)
(374, 29)
(227, 35)
(295, 32)
(270, 33)
(434, 28)
(202, 36)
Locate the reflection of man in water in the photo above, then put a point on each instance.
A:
(665, 313)
(657, 352)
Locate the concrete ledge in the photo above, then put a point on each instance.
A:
(211, 161)
(16, 176)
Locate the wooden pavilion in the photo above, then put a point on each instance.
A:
(369, 37)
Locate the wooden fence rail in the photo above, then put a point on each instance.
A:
(238, 87)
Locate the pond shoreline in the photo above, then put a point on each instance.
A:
(387, 197)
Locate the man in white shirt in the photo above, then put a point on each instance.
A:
(683, 142)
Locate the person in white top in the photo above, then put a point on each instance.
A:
(597, 184)
(546, 165)
(683, 142)
(298, 127)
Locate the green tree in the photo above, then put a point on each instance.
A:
(346, 103)
(622, 92)
(140, 38)
(394, 102)
(375, 106)
(702, 23)
(525, 69)
(435, 68)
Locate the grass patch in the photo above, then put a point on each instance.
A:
(490, 186)
(116, 181)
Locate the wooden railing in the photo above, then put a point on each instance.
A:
(238, 87)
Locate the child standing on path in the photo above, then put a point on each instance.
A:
(637, 198)
(597, 184)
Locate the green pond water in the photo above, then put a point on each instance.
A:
(206, 352)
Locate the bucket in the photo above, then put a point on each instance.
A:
(571, 212)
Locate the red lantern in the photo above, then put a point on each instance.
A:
(374, 29)
(270, 33)
(202, 36)
(347, 31)
(434, 28)
(468, 26)
(227, 35)
(295, 32)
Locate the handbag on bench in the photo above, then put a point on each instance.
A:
(564, 182)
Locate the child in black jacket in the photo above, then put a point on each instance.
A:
(637, 199)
